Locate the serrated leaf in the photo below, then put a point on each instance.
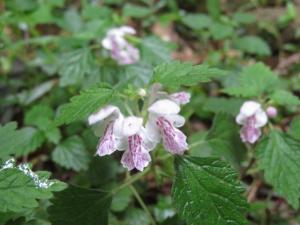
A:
(254, 81)
(84, 104)
(19, 192)
(37, 115)
(196, 21)
(71, 154)
(206, 192)
(279, 157)
(254, 45)
(74, 65)
(220, 31)
(285, 98)
(77, 205)
(175, 74)
(136, 216)
(155, 51)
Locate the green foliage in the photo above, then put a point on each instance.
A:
(196, 21)
(77, 205)
(214, 8)
(19, 191)
(279, 158)
(84, 104)
(226, 105)
(254, 81)
(253, 45)
(222, 140)
(155, 51)
(71, 154)
(294, 129)
(74, 65)
(285, 98)
(136, 11)
(121, 200)
(175, 74)
(206, 191)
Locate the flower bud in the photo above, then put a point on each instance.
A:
(142, 92)
(271, 111)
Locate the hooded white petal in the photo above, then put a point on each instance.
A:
(164, 107)
(261, 118)
(109, 112)
(177, 120)
(249, 108)
(132, 125)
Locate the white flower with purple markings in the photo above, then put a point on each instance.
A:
(121, 50)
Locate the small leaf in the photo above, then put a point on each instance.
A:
(76, 205)
(285, 98)
(196, 21)
(253, 45)
(228, 105)
(220, 31)
(279, 156)
(137, 217)
(84, 104)
(175, 74)
(206, 192)
(214, 8)
(136, 11)
(294, 129)
(254, 81)
(71, 154)
(121, 200)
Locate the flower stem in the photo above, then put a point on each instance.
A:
(143, 205)
(129, 181)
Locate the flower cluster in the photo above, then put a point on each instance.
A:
(121, 50)
(130, 135)
(252, 117)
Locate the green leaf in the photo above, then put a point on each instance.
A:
(74, 65)
(285, 98)
(137, 217)
(84, 104)
(20, 192)
(18, 142)
(220, 31)
(121, 200)
(155, 51)
(206, 192)
(77, 205)
(175, 74)
(244, 18)
(222, 140)
(196, 21)
(228, 105)
(254, 81)
(37, 115)
(214, 8)
(279, 156)
(71, 154)
(294, 129)
(136, 11)
(253, 45)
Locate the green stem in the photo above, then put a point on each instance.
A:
(129, 181)
(142, 203)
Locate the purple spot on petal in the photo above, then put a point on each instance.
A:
(106, 144)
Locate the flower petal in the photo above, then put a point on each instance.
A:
(250, 134)
(109, 112)
(181, 98)
(261, 118)
(132, 125)
(249, 108)
(174, 140)
(136, 156)
(107, 145)
(164, 107)
(177, 120)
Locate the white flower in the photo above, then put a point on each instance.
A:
(252, 117)
(110, 120)
(137, 152)
(122, 51)
(163, 122)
